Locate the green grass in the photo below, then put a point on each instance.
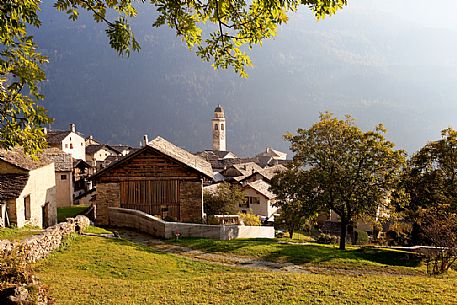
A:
(95, 270)
(19, 233)
(64, 213)
(312, 253)
(96, 230)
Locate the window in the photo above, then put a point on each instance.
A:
(222, 126)
(71, 145)
(27, 212)
(63, 177)
(66, 145)
(215, 126)
(253, 200)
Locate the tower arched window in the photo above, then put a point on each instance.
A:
(215, 127)
(222, 126)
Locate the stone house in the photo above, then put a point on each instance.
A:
(259, 200)
(69, 141)
(96, 154)
(159, 179)
(63, 165)
(237, 172)
(27, 190)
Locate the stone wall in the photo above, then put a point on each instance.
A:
(39, 246)
(191, 201)
(158, 228)
(108, 195)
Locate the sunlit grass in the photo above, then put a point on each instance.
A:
(64, 213)
(18, 233)
(95, 270)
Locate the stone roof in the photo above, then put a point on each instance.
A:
(276, 154)
(261, 187)
(247, 168)
(168, 149)
(182, 156)
(120, 148)
(269, 172)
(17, 157)
(63, 162)
(11, 185)
(57, 136)
(93, 148)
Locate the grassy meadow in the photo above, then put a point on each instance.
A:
(96, 270)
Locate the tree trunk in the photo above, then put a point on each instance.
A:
(344, 225)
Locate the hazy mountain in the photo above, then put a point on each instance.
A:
(364, 61)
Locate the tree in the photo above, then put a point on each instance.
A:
(429, 181)
(234, 26)
(295, 196)
(439, 229)
(353, 170)
(225, 200)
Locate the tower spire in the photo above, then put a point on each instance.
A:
(218, 127)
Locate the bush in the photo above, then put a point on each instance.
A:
(362, 237)
(326, 239)
(250, 219)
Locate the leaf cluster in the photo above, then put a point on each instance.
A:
(225, 200)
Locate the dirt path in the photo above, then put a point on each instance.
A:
(233, 260)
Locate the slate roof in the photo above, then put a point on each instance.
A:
(182, 156)
(57, 136)
(120, 148)
(247, 168)
(262, 187)
(93, 148)
(273, 153)
(269, 172)
(63, 162)
(163, 146)
(11, 185)
(17, 157)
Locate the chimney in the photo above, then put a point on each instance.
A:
(145, 140)
(72, 127)
(91, 137)
(45, 130)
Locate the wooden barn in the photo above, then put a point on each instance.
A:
(159, 179)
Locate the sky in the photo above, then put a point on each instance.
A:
(390, 62)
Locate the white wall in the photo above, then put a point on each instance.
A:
(75, 145)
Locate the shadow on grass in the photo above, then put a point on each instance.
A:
(271, 250)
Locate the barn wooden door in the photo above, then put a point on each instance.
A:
(154, 197)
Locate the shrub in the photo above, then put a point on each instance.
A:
(362, 237)
(326, 239)
(250, 219)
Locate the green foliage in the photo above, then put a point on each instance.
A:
(295, 197)
(225, 201)
(326, 239)
(250, 219)
(352, 171)
(428, 182)
(362, 237)
(21, 117)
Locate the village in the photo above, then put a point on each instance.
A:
(228, 152)
(159, 179)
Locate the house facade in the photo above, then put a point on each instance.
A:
(259, 200)
(159, 179)
(63, 165)
(27, 190)
(69, 141)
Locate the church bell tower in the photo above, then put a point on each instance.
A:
(218, 126)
